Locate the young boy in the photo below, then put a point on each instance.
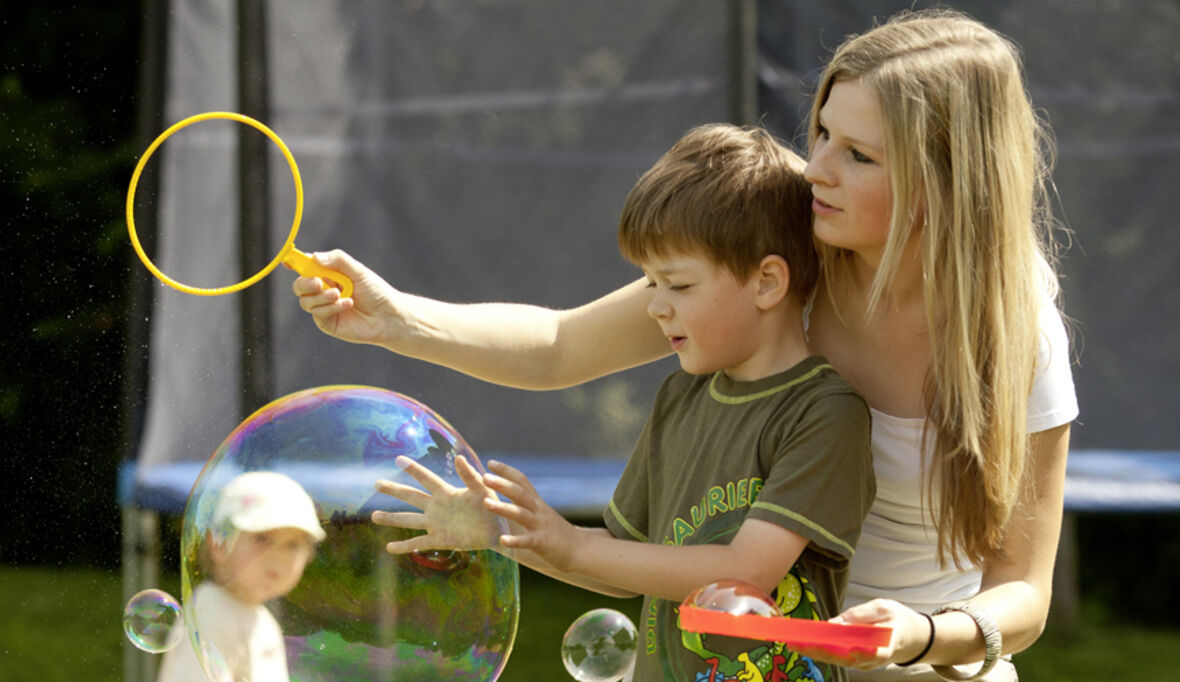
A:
(754, 463)
(265, 530)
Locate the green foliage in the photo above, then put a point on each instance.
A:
(67, 131)
(1100, 651)
(1122, 588)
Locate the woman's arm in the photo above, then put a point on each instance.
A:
(517, 345)
(1014, 591)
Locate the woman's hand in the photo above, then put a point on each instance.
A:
(366, 317)
(911, 632)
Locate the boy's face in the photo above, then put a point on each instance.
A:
(258, 567)
(708, 315)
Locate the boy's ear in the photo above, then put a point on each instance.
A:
(774, 281)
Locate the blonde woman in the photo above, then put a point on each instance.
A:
(937, 302)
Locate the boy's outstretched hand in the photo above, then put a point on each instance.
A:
(473, 517)
(536, 527)
(453, 518)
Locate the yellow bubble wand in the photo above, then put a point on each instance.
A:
(288, 255)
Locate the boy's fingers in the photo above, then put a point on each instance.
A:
(512, 512)
(518, 541)
(412, 520)
(429, 480)
(470, 477)
(405, 493)
(512, 482)
(416, 543)
(509, 489)
(509, 472)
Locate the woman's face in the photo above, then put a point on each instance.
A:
(847, 172)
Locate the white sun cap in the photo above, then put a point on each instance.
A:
(264, 500)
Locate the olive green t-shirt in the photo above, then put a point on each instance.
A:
(791, 449)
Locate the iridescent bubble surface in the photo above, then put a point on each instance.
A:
(357, 612)
(600, 646)
(733, 596)
(149, 619)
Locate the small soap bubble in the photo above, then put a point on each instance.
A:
(733, 596)
(600, 646)
(149, 619)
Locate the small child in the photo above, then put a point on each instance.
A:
(264, 532)
(754, 463)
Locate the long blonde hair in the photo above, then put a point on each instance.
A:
(968, 160)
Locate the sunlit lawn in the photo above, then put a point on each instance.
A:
(64, 624)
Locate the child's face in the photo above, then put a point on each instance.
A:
(708, 315)
(258, 567)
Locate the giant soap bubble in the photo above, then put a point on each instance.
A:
(355, 612)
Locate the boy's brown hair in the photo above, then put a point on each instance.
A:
(735, 195)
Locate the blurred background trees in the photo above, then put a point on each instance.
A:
(67, 133)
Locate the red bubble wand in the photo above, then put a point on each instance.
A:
(736, 609)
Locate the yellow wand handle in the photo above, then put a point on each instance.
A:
(305, 265)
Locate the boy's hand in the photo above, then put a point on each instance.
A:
(453, 518)
(360, 319)
(535, 525)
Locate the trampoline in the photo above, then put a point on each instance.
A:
(466, 168)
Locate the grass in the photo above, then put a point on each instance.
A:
(64, 624)
(60, 624)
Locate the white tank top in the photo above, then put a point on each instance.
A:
(896, 555)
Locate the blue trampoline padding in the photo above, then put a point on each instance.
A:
(1096, 481)
(574, 486)
(1123, 481)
